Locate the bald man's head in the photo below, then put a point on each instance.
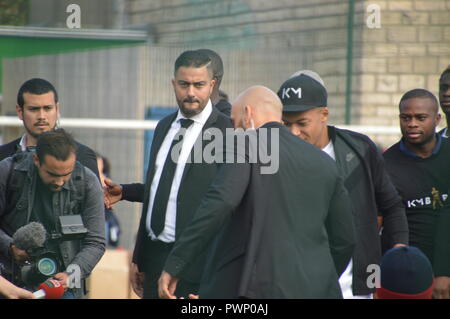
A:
(256, 106)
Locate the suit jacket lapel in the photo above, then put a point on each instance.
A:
(209, 123)
(158, 139)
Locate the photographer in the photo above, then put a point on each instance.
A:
(49, 187)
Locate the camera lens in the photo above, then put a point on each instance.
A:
(47, 266)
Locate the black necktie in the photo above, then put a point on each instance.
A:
(165, 182)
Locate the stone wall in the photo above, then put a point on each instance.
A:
(409, 50)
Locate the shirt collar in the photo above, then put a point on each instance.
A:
(200, 118)
(436, 148)
(444, 132)
(23, 143)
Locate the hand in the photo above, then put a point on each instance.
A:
(380, 222)
(441, 287)
(19, 255)
(63, 278)
(112, 192)
(167, 286)
(137, 280)
(399, 245)
(10, 291)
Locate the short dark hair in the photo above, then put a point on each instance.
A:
(194, 59)
(216, 63)
(419, 93)
(445, 72)
(35, 86)
(57, 143)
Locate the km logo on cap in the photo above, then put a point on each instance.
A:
(285, 93)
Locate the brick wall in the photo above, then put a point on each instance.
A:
(410, 49)
(314, 31)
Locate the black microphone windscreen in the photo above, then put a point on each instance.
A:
(30, 236)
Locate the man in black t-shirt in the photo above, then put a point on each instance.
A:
(418, 166)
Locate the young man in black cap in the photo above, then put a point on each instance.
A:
(360, 164)
(418, 166)
(444, 98)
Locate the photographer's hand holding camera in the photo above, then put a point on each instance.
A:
(51, 215)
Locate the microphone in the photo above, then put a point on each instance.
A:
(30, 236)
(50, 289)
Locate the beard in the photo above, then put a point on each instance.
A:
(35, 134)
(190, 111)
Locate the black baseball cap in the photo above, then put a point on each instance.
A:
(303, 91)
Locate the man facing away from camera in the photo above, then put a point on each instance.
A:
(281, 233)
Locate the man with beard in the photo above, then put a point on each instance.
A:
(38, 109)
(174, 188)
(444, 98)
(418, 166)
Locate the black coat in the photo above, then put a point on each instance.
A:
(224, 106)
(283, 235)
(195, 181)
(371, 193)
(85, 155)
(135, 192)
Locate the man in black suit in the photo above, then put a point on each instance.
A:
(173, 191)
(287, 233)
(38, 108)
(135, 192)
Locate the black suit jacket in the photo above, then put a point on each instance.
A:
(284, 235)
(135, 192)
(85, 155)
(224, 106)
(195, 181)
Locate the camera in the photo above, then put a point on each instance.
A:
(45, 261)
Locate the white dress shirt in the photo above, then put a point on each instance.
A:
(23, 143)
(192, 133)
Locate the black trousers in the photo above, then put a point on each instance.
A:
(156, 253)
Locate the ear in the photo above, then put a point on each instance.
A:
(174, 83)
(36, 161)
(57, 111)
(438, 119)
(248, 112)
(324, 114)
(19, 112)
(213, 84)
